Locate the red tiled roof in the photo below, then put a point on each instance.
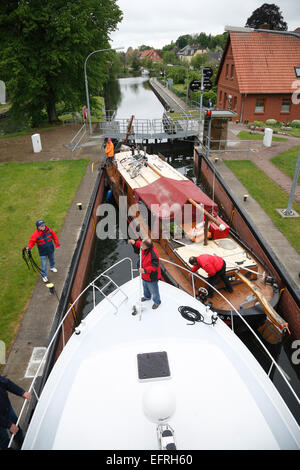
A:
(265, 61)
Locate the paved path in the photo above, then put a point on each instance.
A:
(174, 102)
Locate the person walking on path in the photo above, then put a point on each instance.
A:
(110, 151)
(8, 417)
(43, 237)
(215, 267)
(150, 270)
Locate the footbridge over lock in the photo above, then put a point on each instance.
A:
(178, 127)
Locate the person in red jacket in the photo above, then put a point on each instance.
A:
(43, 237)
(150, 270)
(215, 267)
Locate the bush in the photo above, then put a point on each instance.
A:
(295, 123)
(259, 124)
(271, 122)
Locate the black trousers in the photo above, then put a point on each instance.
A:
(213, 280)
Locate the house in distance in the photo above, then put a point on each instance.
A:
(258, 74)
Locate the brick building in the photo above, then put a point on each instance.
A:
(258, 74)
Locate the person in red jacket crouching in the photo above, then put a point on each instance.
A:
(43, 237)
(150, 270)
(215, 267)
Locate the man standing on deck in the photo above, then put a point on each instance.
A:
(43, 237)
(110, 151)
(150, 270)
(215, 267)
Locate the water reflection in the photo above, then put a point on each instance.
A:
(137, 99)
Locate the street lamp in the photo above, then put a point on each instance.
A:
(86, 81)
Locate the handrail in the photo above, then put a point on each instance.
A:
(103, 274)
(84, 132)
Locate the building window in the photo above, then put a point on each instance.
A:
(220, 97)
(285, 105)
(297, 72)
(232, 71)
(234, 102)
(227, 68)
(260, 106)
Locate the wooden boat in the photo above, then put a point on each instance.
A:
(162, 195)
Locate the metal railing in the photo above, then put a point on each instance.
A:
(225, 146)
(150, 129)
(95, 288)
(77, 139)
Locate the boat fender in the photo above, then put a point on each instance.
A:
(198, 230)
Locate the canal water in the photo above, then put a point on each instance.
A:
(132, 96)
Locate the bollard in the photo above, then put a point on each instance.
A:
(50, 287)
(79, 205)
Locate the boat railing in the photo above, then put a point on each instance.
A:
(60, 328)
(95, 288)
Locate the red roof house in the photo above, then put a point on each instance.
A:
(151, 54)
(258, 74)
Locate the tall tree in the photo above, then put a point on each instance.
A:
(43, 48)
(268, 14)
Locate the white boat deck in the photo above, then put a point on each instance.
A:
(93, 398)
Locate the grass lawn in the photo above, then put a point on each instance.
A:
(269, 196)
(30, 191)
(286, 161)
(245, 135)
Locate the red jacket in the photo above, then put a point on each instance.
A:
(43, 239)
(211, 264)
(150, 263)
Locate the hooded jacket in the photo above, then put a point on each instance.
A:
(210, 263)
(109, 149)
(150, 263)
(43, 239)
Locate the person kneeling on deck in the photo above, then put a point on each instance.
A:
(215, 267)
(150, 270)
(110, 152)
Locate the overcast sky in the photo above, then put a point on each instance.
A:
(158, 22)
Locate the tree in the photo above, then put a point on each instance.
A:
(183, 41)
(170, 58)
(43, 48)
(268, 14)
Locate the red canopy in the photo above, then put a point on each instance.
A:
(171, 195)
